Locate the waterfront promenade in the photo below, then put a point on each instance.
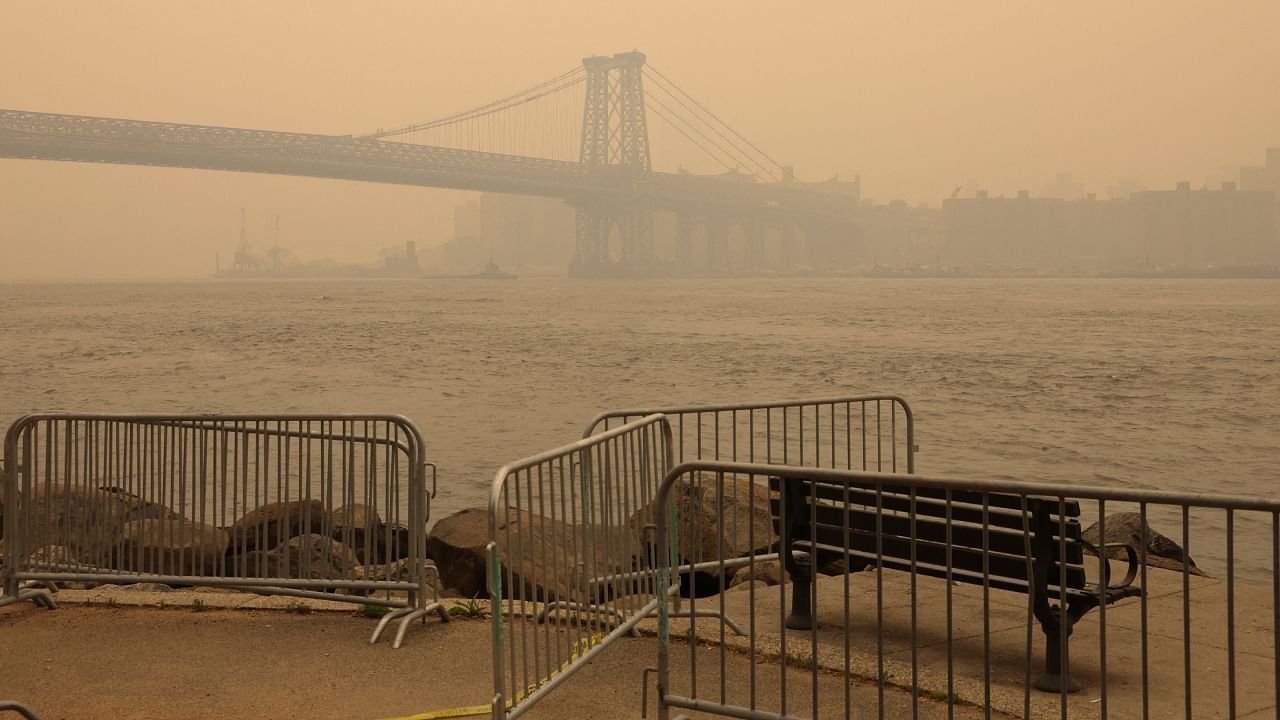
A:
(114, 653)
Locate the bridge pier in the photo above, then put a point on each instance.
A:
(613, 241)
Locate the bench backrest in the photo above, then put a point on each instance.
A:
(950, 529)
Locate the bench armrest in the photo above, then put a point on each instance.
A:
(1132, 558)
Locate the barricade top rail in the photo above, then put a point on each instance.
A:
(744, 406)
(1016, 487)
(532, 461)
(218, 421)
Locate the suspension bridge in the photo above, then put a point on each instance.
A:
(582, 136)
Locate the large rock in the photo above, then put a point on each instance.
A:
(542, 558)
(457, 545)
(398, 571)
(730, 523)
(1127, 528)
(361, 528)
(271, 525)
(88, 522)
(172, 546)
(308, 557)
(767, 573)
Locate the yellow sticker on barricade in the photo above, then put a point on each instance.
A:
(582, 647)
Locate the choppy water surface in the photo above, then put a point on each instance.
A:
(1170, 385)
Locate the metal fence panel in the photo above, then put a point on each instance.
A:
(571, 563)
(874, 432)
(326, 507)
(978, 596)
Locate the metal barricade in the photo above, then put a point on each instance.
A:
(310, 506)
(874, 432)
(571, 563)
(927, 596)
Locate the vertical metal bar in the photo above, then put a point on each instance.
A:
(1186, 608)
(1031, 601)
(1275, 601)
(951, 674)
(847, 679)
(1142, 567)
(915, 659)
(880, 677)
(1231, 615)
(1063, 655)
(1103, 580)
(813, 589)
(986, 604)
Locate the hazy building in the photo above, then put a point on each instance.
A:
(1266, 178)
(1018, 232)
(1205, 228)
(1179, 228)
(900, 236)
(513, 230)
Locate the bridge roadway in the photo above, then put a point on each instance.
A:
(78, 138)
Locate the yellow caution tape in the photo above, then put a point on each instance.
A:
(471, 710)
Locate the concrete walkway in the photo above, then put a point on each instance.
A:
(111, 653)
(114, 654)
(1004, 659)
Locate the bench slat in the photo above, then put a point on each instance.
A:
(1006, 513)
(962, 575)
(999, 565)
(1002, 540)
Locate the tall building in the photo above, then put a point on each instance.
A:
(513, 230)
(1266, 178)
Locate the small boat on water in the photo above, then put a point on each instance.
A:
(491, 272)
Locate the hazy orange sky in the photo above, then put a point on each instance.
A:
(917, 97)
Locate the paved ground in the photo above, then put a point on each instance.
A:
(98, 661)
(236, 656)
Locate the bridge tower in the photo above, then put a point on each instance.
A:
(615, 143)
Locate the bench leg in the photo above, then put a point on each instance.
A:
(1057, 664)
(801, 617)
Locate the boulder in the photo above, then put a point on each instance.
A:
(457, 545)
(747, 587)
(542, 558)
(398, 571)
(87, 522)
(768, 572)
(310, 556)
(138, 508)
(741, 509)
(172, 546)
(1127, 528)
(273, 524)
(360, 528)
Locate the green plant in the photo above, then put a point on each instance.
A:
(372, 611)
(197, 605)
(111, 603)
(471, 610)
(298, 608)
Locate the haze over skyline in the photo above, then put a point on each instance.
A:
(916, 100)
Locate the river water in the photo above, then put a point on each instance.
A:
(1135, 383)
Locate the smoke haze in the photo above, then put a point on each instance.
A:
(916, 99)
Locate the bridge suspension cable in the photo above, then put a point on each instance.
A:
(540, 121)
(751, 157)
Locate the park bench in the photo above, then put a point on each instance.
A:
(1033, 548)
